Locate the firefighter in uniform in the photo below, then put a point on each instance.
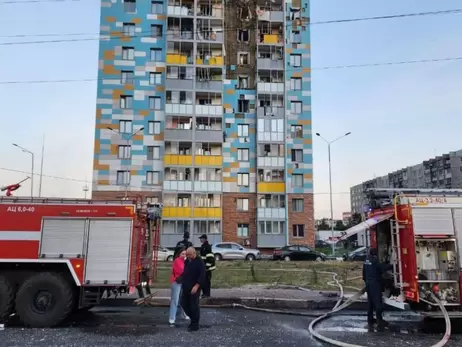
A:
(183, 244)
(372, 276)
(209, 260)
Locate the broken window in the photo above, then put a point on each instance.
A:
(295, 13)
(243, 35)
(243, 58)
(243, 82)
(243, 106)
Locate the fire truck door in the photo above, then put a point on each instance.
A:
(63, 236)
(108, 252)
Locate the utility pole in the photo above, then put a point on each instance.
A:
(32, 169)
(41, 167)
(332, 225)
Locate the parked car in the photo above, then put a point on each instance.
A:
(298, 252)
(322, 244)
(234, 251)
(163, 254)
(358, 254)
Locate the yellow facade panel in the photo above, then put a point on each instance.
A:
(271, 187)
(176, 212)
(208, 160)
(207, 212)
(270, 39)
(176, 159)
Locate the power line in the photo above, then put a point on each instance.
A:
(95, 182)
(335, 67)
(102, 37)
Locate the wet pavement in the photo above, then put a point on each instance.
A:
(147, 326)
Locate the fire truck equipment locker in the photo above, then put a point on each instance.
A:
(63, 237)
(108, 257)
(432, 221)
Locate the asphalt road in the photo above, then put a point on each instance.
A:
(221, 328)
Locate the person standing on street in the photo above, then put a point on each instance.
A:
(372, 276)
(192, 281)
(175, 280)
(209, 260)
(185, 243)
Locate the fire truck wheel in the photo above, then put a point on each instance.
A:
(44, 300)
(6, 298)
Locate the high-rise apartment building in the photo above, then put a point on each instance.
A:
(205, 106)
(442, 172)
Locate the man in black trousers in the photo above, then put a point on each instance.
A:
(209, 259)
(193, 279)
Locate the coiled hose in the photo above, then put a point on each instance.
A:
(338, 307)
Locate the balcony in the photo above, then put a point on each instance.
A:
(271, 240)
(210, 32)
(178, 153)
(207, 180)
(271, 111)
(206, 8)
(178, 128)
(270, 82)
(270, 155)
(185, 9)
(207, 206)
(180, 29)
(271, 233)
(177, 206)
(177, 179)
(207, 212)
(209, 54)
(179, 53)
(176, 212)
(208, 154)
(270, 187)
(209, 129)
(179, 102)
(209, 104)
(210, 79)
(271, 15)
(271, 213)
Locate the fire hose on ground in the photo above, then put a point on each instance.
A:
(339, 307)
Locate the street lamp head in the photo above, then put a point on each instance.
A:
(14, 144)
(348, 133)
(109, 128)
(318, 134)
(141, 129)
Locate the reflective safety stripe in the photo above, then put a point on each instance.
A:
(212, 268)
(208, 265)
(210, 255)
(203, 258)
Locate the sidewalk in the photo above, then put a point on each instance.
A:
(255, 296)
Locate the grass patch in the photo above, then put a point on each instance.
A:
(231, 274)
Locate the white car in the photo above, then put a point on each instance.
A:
(163, 254)
(234, 251)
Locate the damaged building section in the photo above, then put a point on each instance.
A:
(240, 24)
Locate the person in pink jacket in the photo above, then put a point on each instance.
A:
(175, 280)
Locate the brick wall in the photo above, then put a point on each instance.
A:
(100, 195)
(306, 218)
(232, 217)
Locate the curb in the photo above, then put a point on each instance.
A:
(266, 303)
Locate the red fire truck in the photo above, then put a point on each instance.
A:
(58, 256)
(419, 232)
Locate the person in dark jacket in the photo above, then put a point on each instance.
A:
(209, 260)
(372, 276)
(192, 281)
(183, 244)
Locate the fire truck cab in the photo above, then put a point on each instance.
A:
(59, 256)
(418, 232)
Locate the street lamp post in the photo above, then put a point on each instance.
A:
(127, 139)
(329, 143)
(32, 168)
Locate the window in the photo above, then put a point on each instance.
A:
(152, 177)
(296, 131)
(243, 82)
(124, 152)
(296, 60)
(157, 7)
(126, 101)
(266, 175)
(298, 230)
(243, 35)
(155, 78)
(242, 230)
(156, 54)
(125, 126)
(128, 53)
(296, 107)
(296, 83)
(270, 125)
(243, 179)
(130, 6)
(180, 72)
(242, 154)
(155, 103)
(297, 155)
(270, 150)
(272, 201)
(242, 204)
(271, 227)
(297, 181)
(297, 205)
(126, 77)
(123, 177)
(243, 58)
(242, 130)
(154, 128)
(156, 30)
(243, 106)
(153, 152)
(296, 37)
(129, 29)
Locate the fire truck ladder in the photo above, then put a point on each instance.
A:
(396, 254)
